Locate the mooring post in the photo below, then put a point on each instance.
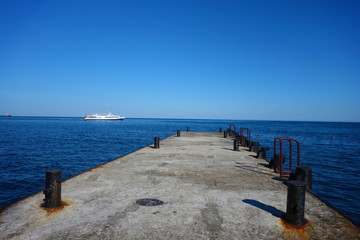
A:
(251, 146)
(178, 133)
(246, 142)
(220, 130)
(256, 147)
(225, 134)
(295, 206)
(52, 188)
(262, 152)
(156, 142)
(236, 145)
(229, 132)
(277, 162)
(243, 139)
(304, 174)
(188, 129)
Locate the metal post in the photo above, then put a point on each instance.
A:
(295, 207)
(277, 162)
(256, 147)
(243, 140)
(236, 145)
(188, 129)
(225, 134)
(304, 174)
(52, 188)
(262, 152)
(251, 146)
(178, 133)
(156, 142)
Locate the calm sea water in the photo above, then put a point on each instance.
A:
(30, 145)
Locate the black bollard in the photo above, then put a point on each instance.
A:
(188, 129)
(178, 133)
(256, 147)
(251, 146)
(225, 134)
(295, 206)
(304, 174)
(229, 132)
(246, 143)
(243, 140)
(276, 162)
(52, 188)
(220, 130)
(236, 145)
(262, 152)
(156, 142)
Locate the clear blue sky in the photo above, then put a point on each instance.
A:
(260, 60)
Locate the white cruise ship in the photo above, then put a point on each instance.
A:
(109, 116)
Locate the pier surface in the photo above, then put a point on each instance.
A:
(209, 192)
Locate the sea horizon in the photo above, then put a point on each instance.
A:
(219, 119)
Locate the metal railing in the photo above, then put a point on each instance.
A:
(248, 135)
(284, 173)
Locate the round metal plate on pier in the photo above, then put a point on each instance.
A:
(149, 202)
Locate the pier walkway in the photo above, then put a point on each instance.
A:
(208, 191)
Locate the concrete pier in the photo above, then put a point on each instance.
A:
(208, 191)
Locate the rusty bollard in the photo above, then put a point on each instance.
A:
(246, 142)
(52, 188)
(256, 147)
(243, 139)
(276, 162)
(156, 142)
(304, 174)
(188, 129)
(251, 146)
(236, 145)
(178, 133)
(262, 152)
(295, 206)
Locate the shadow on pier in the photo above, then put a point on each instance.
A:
(270, 209)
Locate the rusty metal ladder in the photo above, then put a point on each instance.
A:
(286, 173)
(248, 134)
(232, 131)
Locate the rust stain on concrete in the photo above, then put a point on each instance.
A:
(98, 167)
(352, 230)
(64, 203)
(295, 232)
(2, 210)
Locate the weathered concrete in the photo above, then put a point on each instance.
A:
(209, 190)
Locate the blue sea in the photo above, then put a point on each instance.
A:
(31, 145)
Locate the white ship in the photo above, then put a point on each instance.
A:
(109, 116)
